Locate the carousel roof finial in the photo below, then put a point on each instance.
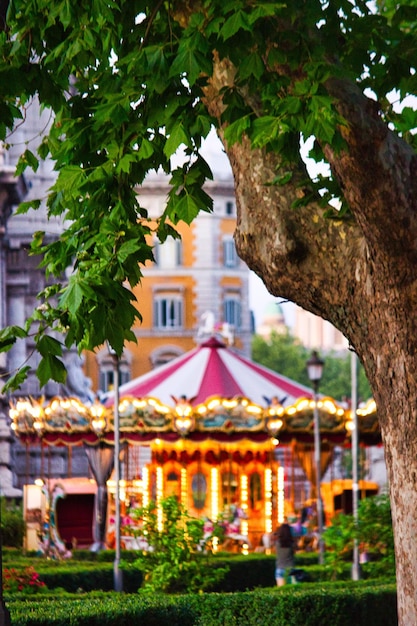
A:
(206, 328)
(209, 328)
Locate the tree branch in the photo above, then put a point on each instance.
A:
(291, 249)
(378, 173)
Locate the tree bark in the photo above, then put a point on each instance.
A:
(358, 274)
(4, 5)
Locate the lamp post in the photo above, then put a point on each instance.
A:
(118, 574)
(315, 371)
(356, 573)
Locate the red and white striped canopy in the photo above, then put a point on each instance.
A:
(214, 369)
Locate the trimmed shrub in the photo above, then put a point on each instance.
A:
(12, 525)
(245, 573)
(89, 578)
(329, 604)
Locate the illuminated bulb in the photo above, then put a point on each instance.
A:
(184, 490)
(145, 487)
(159, 496)
(280, 494)
(268, 500)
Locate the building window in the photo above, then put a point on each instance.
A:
(168, 254)
(168, 311)
(230, 258)
(164, 354)
(230, 208)
(232, 311)
(107, 375)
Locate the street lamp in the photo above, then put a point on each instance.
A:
(118, 574)
(356, 572)
(315, 371)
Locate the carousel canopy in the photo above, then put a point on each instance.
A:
(213, 369)
(209, 392)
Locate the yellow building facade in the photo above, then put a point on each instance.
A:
(196, 282)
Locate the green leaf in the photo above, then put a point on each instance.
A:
(238, 21)
(47, 345)
(176, 138)
(125, 163)
(407, 120)
(15, 381)
(71, 177)
(192, 59)
(263, 9)
(155, 59)
(50, 367)
(65, 14)
(267, 129)
(128, 248)
(186, 63)
(25, 206)
(404, 15)
(43, 149)
(291, 105)
(73, 295)
(9, 335)
(303, 87)
(233, 133)
(146, 149)
(281, 179)
(187, 208)
(252, 65)
(27, 159)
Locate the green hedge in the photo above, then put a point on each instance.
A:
(89, 578)
(327, 604)
(245, 573)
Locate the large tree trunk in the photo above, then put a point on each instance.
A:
(358, 274)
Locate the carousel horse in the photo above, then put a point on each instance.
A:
(51, 544)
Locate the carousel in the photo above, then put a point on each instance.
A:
(231, 440)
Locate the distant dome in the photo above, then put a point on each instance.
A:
(273, 310)
(272, 320)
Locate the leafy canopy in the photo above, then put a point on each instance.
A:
(284, 354)
(125, 80)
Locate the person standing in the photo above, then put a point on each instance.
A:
(284, 548)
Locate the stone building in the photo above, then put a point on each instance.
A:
(21, 279)
(195, 282)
